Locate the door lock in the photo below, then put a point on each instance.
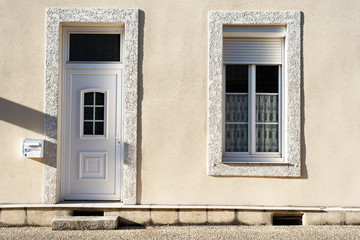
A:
(119, 139)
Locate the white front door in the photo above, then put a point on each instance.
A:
(91, 151)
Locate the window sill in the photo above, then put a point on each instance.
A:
(229, 162)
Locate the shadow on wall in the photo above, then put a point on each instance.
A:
(22, 116)
(29, 119)
(304, 172)
(140, 99)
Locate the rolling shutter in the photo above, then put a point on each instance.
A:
(255, 44)
(252, 51)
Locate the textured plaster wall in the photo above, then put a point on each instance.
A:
(172, 130)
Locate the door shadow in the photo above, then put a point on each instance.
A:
(22, 116)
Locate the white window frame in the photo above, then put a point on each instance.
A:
(91, 30)
(252, 155)
(288, 164)
(106, 113)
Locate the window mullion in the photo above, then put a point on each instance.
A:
(252, 102)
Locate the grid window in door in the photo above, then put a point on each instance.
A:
(93, 113)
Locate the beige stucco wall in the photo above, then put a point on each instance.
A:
(172, 134)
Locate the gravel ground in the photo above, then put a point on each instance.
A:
(190, 232)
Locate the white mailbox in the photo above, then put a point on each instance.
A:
(33, 148)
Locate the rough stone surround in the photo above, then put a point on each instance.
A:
(55, 16)
(292, 151)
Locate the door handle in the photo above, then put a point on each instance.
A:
(119, 139)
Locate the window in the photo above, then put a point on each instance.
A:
(94, 47)
(253, 130)
(93, 44)
(94, 114)
(254, 93)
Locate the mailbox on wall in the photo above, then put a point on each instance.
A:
(33, 148)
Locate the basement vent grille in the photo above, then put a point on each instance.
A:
(287, 219)
(87, 213)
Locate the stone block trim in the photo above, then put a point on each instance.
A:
(164, 216)
(55, 16)
(221, 216)
(180, 216)
(254, 218)
(13, 217)
(352, 218)
(292, 152)
(190, 216)
(40, 217)
(131, 216)
(326, 218)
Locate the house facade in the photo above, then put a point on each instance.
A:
(167, 108)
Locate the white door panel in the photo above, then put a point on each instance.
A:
(92, 152)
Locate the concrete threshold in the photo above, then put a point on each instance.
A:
(85, 223)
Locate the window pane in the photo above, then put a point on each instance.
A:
(94, 47)
(89, 98)
(267, 138)
(267, 108)
(236, 137)
(88, 113)
(99, 113)
(237, 108)
(267, 78)
(99, 128)
(237, 78)
(88, 128)
(99, 98)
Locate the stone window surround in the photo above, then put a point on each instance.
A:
(54, 18)
(291, 167)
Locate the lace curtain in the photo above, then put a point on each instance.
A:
(236, 135)
(267, 134)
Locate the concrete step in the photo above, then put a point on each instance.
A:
(85, 223)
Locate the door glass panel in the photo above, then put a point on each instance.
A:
(94, 47)
(99, 128)
(88, 113)
(89, 98)
(99, 98)
(93, 113)
(88, 128)
(99, 113)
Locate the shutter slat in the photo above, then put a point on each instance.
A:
(252, 50)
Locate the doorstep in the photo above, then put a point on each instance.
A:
(84, 223)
